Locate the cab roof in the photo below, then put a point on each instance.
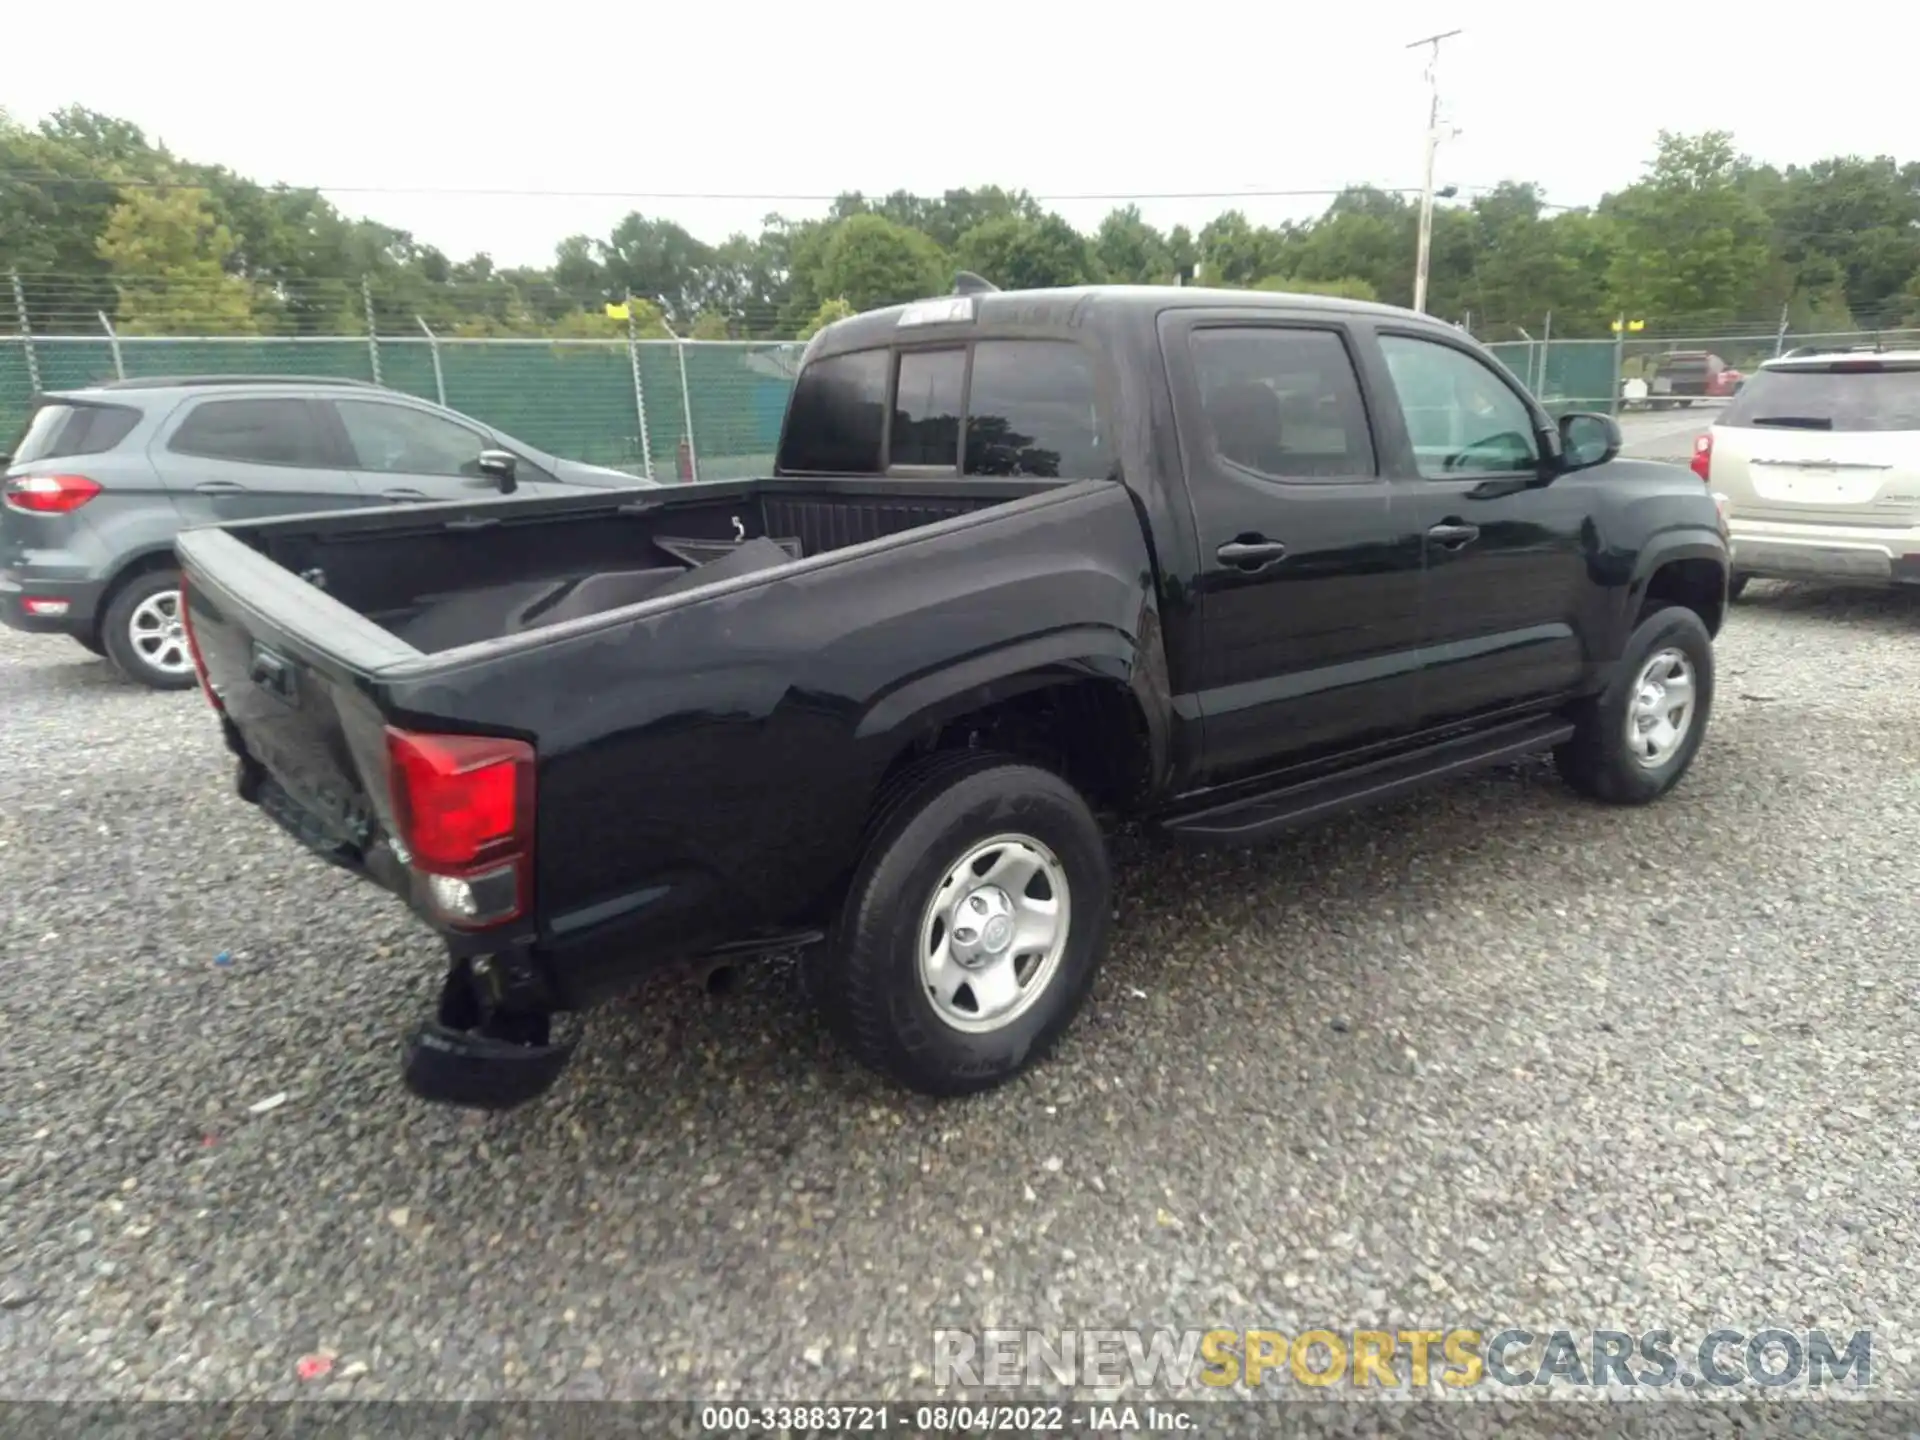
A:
(1073, 308)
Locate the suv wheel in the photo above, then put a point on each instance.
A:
(145, 634)
(973, 928)
(1632, 743)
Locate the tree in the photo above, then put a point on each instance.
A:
(1373, 235)
(54, 203)
(829, 312)
(1348, 288)
(165, 252)
(1017, 253)
(1845, 221)
(1691, 240)
(1132, 252)
(1703, 237)
(1235, 252)
(869, 262)
(946, 219)
(659, 261)
(1184, 251)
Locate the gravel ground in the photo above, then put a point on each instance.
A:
(1492, 1055)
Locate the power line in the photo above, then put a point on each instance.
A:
(505, 192)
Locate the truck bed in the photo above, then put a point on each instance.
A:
(697, 698)
(446, 577)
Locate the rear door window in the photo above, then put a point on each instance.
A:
(1846, 396)
(1032, 410)
(269, 431)
(838, 415)
(59, 430)
(1282, 402)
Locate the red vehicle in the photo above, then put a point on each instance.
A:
(1680, 377)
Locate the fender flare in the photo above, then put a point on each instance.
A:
(1070, 655)
(1682, 543)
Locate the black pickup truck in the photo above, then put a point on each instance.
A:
(1224, 561)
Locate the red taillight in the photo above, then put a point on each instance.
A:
(193, 649)
(463, 806)
(1702, 462)
(50, 494)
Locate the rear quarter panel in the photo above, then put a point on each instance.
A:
(708, 768)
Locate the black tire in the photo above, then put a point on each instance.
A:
(91, 644)
(117, 637)
(1737, 586)
(867, 978)
(1598, 761)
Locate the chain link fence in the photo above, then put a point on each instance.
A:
(679, 409)
(665, 408)
(1590, 374)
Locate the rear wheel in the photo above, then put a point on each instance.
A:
(973, 928)
(145, 635)
(1632, 743)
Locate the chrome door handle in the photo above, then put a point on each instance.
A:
(1453, 537)
(401, 497)
(1251, 554)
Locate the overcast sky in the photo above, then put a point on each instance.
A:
(391, 106)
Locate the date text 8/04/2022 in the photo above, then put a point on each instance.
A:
(944, 1418)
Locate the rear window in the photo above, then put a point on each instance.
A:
(277, 431)
(926, 408)
(1032, 411)
(838, 415)
(1856, 398)
(56, 431)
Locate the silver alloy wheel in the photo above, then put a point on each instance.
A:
(993, 933)
(159, 637)
(1660, 713)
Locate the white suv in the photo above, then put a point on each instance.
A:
(1816, 463)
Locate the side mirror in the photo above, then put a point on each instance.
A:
(500, 465)
(1588, 438)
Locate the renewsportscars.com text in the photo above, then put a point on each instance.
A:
(1515, 1358)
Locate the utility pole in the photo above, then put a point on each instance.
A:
(1424, 258)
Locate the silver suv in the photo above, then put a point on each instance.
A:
(102, 478)
(1818, 461)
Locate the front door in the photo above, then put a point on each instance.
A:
(405, 454)
(1506, 557)
(1309, 610)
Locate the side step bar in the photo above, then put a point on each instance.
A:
(1251, 818)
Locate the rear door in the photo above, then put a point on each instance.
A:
(1834, 442)
(1309, 603)
(247, 457)
(405, 453)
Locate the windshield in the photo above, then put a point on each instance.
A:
(1851, 399)
(57, 430)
